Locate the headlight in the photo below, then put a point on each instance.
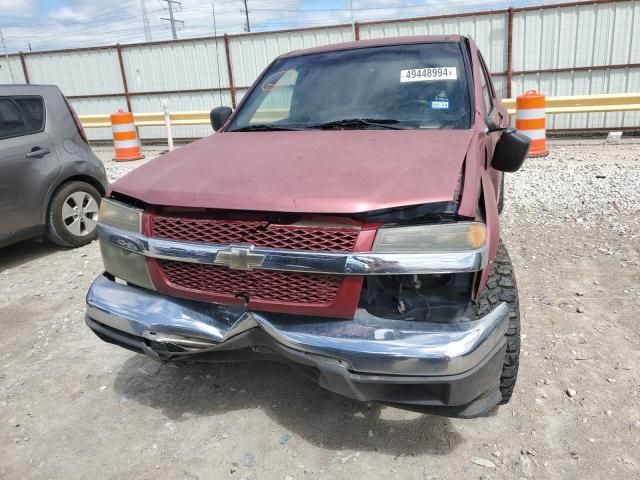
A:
(446, 237)
(121, 263)
(120, 215)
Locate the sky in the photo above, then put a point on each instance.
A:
(53, 24)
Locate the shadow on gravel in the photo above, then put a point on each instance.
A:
(20, 253)
(301, 407)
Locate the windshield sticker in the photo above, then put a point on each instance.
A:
(428, 74)
(441, 102)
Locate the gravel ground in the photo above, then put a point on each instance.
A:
(72, 406)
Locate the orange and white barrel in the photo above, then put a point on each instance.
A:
(125, 137)
(530, 120)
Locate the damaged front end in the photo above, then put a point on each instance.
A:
(388, 318)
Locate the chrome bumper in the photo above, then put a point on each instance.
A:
(366, 344)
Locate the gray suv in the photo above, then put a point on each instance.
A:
(51, 182)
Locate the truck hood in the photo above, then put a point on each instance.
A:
(349, 171)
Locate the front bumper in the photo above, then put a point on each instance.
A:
(446, 368)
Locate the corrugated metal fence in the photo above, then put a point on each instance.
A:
(579, 48)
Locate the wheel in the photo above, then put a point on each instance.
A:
(72, 217)
(501, 287)
(501, 196)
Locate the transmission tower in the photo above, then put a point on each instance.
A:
(145, 21)
(172, 20)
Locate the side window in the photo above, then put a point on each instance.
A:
(33, 111)
(487, 90)
(12, 123)
(278, 93)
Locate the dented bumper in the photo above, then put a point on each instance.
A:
(449, 368)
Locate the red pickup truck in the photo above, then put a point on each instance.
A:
(343, 219)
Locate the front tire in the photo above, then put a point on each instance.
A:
(501, 287)
(72, 217)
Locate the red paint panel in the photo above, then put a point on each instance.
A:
(322, 172)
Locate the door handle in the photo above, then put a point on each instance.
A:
(37, 152)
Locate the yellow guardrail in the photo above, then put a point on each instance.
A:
(574, 104)
(619, 102)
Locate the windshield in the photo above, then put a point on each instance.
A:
(401, 86)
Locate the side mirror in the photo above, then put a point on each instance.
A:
(511, 151)
(219, 117)
(492, 126)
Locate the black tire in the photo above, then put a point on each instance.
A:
(501, 196)
(501, 287)
(57, 231)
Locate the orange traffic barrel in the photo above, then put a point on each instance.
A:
(530, 120)
(125, 137)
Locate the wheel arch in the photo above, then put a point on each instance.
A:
(60, 183)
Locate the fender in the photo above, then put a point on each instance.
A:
(492, 222)
(479, 198)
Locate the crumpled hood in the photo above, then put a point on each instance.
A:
(350, 171)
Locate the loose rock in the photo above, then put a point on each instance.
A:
(248, 460)
(483, 462)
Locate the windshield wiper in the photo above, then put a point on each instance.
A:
(263, 127)
(359, 123)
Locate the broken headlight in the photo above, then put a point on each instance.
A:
(120, 262)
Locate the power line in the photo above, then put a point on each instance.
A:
(171, 18)
(98, 29)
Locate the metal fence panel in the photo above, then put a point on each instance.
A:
(489, 31)
(251, 54)
(6, 68)
(86, 72)
(176, 66)
(576, 36)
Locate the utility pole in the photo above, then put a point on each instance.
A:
(247, 27)
(145, 21)
(171, 18)
(6, 55)
(215, 34)
(353, 20)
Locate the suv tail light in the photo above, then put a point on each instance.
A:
(77, 121)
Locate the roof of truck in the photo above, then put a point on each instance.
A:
(376, 42)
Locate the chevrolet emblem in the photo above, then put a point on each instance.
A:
(240, 258)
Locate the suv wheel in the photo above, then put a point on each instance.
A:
(501, 287)
(73, 215)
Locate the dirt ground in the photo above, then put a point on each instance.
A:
(74, 407)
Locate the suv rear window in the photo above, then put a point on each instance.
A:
(21, 116)
(413, 86)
